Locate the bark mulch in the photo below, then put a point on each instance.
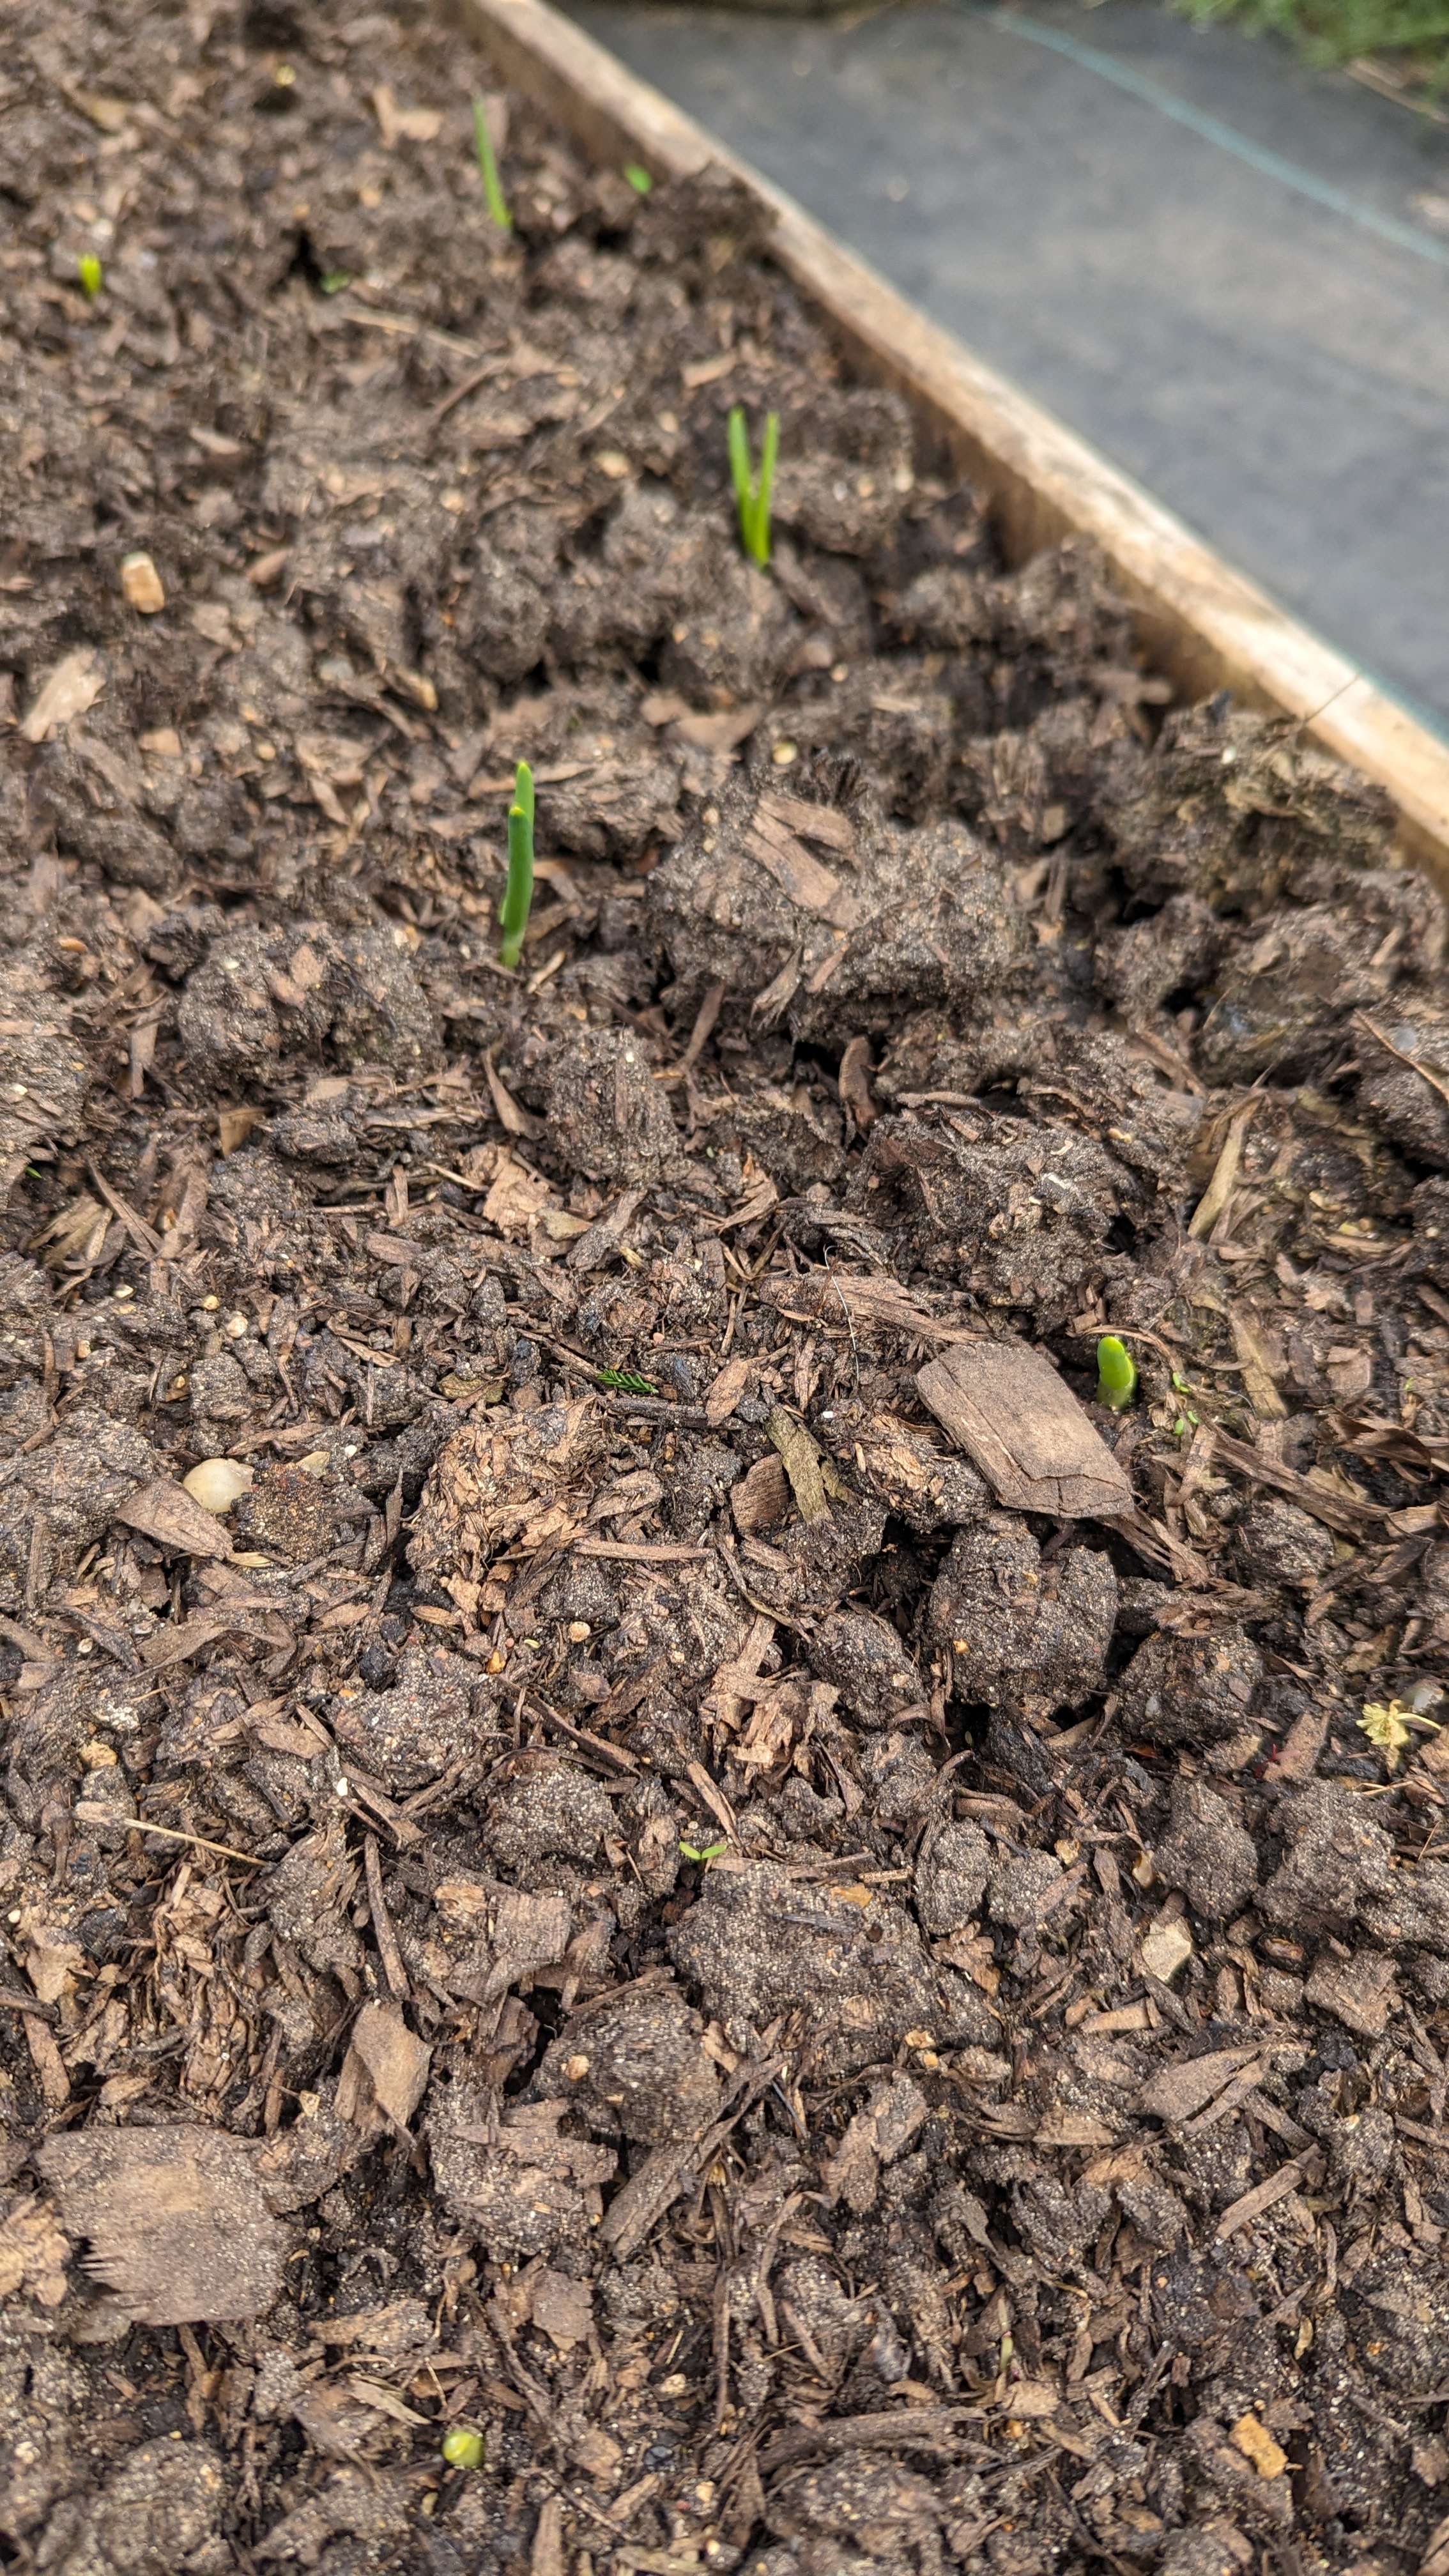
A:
(712, 1872)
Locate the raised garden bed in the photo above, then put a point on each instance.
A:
(719, 1922)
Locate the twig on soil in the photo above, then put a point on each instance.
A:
(93, 1811)
(1225, 1173)
(142, 1235)
(470, 384)
(589, 1743)
(387, 1949)
(926, 2428)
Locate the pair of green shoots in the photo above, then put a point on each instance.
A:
(493, 196)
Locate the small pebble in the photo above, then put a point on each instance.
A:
(141, 583)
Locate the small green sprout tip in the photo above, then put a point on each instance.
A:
(335, 281)
(493, 195)
(1116, 1373)
(626, 1382)
(702, 1851)
(639, 179)
(462, 2447)
(518, 893)
(752, 497)
(91, 274)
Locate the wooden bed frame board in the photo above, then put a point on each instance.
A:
(1202, 623)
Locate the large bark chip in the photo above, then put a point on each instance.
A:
(174, 2218)
(1004, 1404)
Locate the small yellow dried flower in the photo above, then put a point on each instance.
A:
(1385, 1727)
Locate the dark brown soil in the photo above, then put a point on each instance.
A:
(844, 2022)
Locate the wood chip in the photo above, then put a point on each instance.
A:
(803, 1462)
(1257, 2444)
(67, 691)
(1004, 1404)
(761, 1498)
(1359, 1992)
(1225, 1174)
(823, 823)
(1166, 1947)
(642, 1554)
(809, 885)
(853, 1080)
(725, 1393)
(385, 2072)
(1264, 2195)
(174, 2219)
(518, 1120)
(164, 1512)
(1258, 1385)
(1327, 1503)
(1191, 2083)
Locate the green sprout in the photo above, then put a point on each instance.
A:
(335, 280)
(702, 1851)
(639, 179)
(752, 498)
(1116, 1373)
(625, 1382)
(494, 197)
(518, 893)
(463, 2447)
(91, 274)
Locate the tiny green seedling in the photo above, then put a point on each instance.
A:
(702, 1851)
(518, 893)
(1116, 1373)
(463, 2447)
(752, 497)
(493, 195)
(638, 178)
(626, 1382)
(335, 281)
(91, 274)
